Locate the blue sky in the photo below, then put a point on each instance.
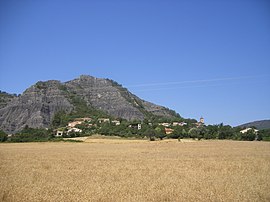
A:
(201, 58)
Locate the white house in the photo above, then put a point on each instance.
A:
(179, 123)
(247, 129)
(164, 124)
(74, 123)
(78, 121)
(103, 120)
(115, 122)
(136, 126)
(60, 132)
(76, 130)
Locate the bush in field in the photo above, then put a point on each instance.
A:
(159, 132)
(264, 134)
(3, 136)
(73, 134)
(194, 133)
(31, 135)
(225, 132)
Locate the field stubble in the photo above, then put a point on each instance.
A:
(122, 170)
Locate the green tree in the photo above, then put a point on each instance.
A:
(184, 133)
(105, 129)
(150, 133)
(225, 132)
(3, 136)
(264, 134)
(250, 135)
(194, 133)
(31, 135)
(212, 132)
(177, 132)
(60, 119)
(160, 132)
(202, 132)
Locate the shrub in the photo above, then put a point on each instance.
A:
(249, 135)
(3, 136)
(31, 135)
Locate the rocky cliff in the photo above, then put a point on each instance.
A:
(37, 106)
(5, 98)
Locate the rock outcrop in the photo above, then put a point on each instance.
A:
(37, 106)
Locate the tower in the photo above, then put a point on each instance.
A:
(202, 120)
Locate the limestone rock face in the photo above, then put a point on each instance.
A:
(37, 106)
(5, 98)
(101, 94)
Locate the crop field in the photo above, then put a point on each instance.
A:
(135, 170)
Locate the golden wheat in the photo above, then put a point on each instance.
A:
(118, 170)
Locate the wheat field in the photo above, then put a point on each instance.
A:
(125, 170)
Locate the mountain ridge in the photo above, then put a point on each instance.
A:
(38, 104)
(260, 124)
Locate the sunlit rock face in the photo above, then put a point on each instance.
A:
(37, 106)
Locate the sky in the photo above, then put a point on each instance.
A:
(206, 58)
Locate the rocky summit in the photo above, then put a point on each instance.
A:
(37, 106)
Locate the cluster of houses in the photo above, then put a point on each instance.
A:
(167, 126)
(169, 130)
(71, 127)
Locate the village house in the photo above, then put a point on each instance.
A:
(74, 123)
(78, 121)
(115, 122)
(168, 131)
(179, 124)
(136, 126)
(164, 124)
(76, 130)
(248, 129)
(83, 119)
(104, 120)
(60, 132)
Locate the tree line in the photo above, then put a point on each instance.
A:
(149, 129)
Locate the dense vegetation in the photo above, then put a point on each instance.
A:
(3, 136)
(179, 132)
(149, 129)
(31, 135)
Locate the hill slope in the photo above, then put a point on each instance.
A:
(5, 98)
(37, 106)
(263, 124)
